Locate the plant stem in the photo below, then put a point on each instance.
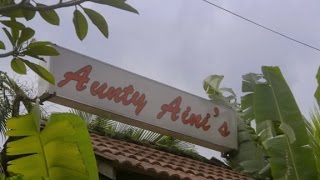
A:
(6, 54)
(41, 8)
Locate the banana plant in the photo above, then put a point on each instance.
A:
(5, 102)
(317, 93)
(290, 154)
(314, 135)
(11, 94)
(280, 141)
(250, 158)
(62, 150)
(280, 126)
(314, 126)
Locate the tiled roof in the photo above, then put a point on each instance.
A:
(158, 163)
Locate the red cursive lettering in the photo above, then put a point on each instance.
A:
(138, 101)
(114, 93)
(223, 130)
(173, 107)
(185, 114)
(193, 120)
(216, 112)
(102, 91)
(81, 76)
(204, 124)
(126, 92)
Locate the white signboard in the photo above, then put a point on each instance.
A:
(99, 88)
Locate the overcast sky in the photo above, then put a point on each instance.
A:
(181, 42)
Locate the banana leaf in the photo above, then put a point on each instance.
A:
(250, 158)
(313, 128)
(249, 82)
(267, 122)
(62, 150)
(290, 154)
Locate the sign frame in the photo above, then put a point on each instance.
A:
(53, 94)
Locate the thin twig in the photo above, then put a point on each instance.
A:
(40, 8)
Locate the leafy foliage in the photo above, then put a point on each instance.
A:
(21, 38)
(250, 158)
(123, 131)
(10, 95)
(317, 93)
(314, 134)
(143, 137)
(226, 96)
(98, 20)
(290, 154)
(248, 86)
(280, 140)
(50, 16)
(314, 127)
(5, 102)
(80, 24)
(64, 139)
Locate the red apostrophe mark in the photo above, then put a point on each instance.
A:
(223, 130)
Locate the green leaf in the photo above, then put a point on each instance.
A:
(41, 51)
(2, 45)
(41, 48)
(250, 156)
(289, 132)
(314, 134)
(317, 93)
(62, 150)
(265, 170)
(16, 13)
(18, 66)
(288, 160)
(265, 111)
(98, 20)
(26, 34)
(15, 29)
(212, 84)
(28, 14)
(13, 24)
(80, 24)
(249, 81)
(41, 71)
(251, 166)
(8, 34)
(120, 4)
(13, 12)
(39, 43)
(280, 162)
(49, 15)
(247, 108)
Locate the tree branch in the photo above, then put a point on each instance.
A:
(41, 8)
(10, 53)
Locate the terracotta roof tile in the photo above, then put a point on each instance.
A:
(152, 161)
